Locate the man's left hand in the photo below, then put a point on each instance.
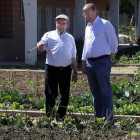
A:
(74, 78)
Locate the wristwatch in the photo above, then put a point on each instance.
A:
(74, 73)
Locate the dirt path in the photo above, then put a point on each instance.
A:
(129, 69)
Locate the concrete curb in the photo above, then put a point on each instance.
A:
(79, 72)
(125, 65)
(115, 74)
(79, 65)
(79, 115)
(119, 74)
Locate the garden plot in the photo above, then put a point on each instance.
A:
(26, 127)
(29, 95)
(127, 56)
(33, 81)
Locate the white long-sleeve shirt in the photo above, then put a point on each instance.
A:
(100, 39)
(60, 48)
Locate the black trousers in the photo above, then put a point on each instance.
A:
(55, 76)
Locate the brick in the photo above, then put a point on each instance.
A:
(8, 31)
(1, 31)
(3, 5)
(15, 20)
(7, 1)
(10, 25)
(10, 15)
(3, 26)
(1, 10)
(1, 21)
(8, 21)
(7, 10)
(16, 11)
(4, 16)
(10, 5)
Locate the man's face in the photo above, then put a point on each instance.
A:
(90, 15)
(61, 25)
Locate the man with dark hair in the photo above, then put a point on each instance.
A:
(99, 46)
(61, 56)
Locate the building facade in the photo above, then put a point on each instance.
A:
(23, 22)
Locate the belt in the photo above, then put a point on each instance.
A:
(97, 58)
(59, 68)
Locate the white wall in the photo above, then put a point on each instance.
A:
(81, 22)
(114, 13)
(30, 12)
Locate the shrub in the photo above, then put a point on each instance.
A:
(138, 40)
(79, 45)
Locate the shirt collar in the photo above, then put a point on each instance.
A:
(59, 32)
(95, 21)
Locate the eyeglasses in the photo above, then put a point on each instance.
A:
(87, 14)
(63, 24)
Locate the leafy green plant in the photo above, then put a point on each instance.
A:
(14, 106)
(11, 82)
(127, 124)
(137, 75)
(46, 122)
(100, 123)
(138, 40)
(81, 100)
(5, 97)
(72, 86)
(72, 122)
(2, 81)
(131, 109)
(80, 82)
(42, 81)
(131, 135)
(30, 83)
(126, 57)
(28, 121)
(41, 103)
(79, 46)
(37, 94)
(97, 123)
(14, 96)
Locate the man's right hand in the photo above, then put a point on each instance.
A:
(84, 67)
(41, 47)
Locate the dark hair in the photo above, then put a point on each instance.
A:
(93, 7)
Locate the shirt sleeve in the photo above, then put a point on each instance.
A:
(84, 49)
(84, 53)
(111, 37)
(74, 51)
(44, 40)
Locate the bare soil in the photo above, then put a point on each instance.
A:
(19, 77)
(59, 134)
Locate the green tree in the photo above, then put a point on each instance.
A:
(127, 7)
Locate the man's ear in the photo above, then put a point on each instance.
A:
(67, 24)
(95, 11)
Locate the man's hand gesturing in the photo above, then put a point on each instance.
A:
(41, 47)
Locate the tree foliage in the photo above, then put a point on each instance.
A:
(127, 7)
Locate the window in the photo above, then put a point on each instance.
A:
(22, 19)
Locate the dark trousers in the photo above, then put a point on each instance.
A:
(98, 73)
(55, 76)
